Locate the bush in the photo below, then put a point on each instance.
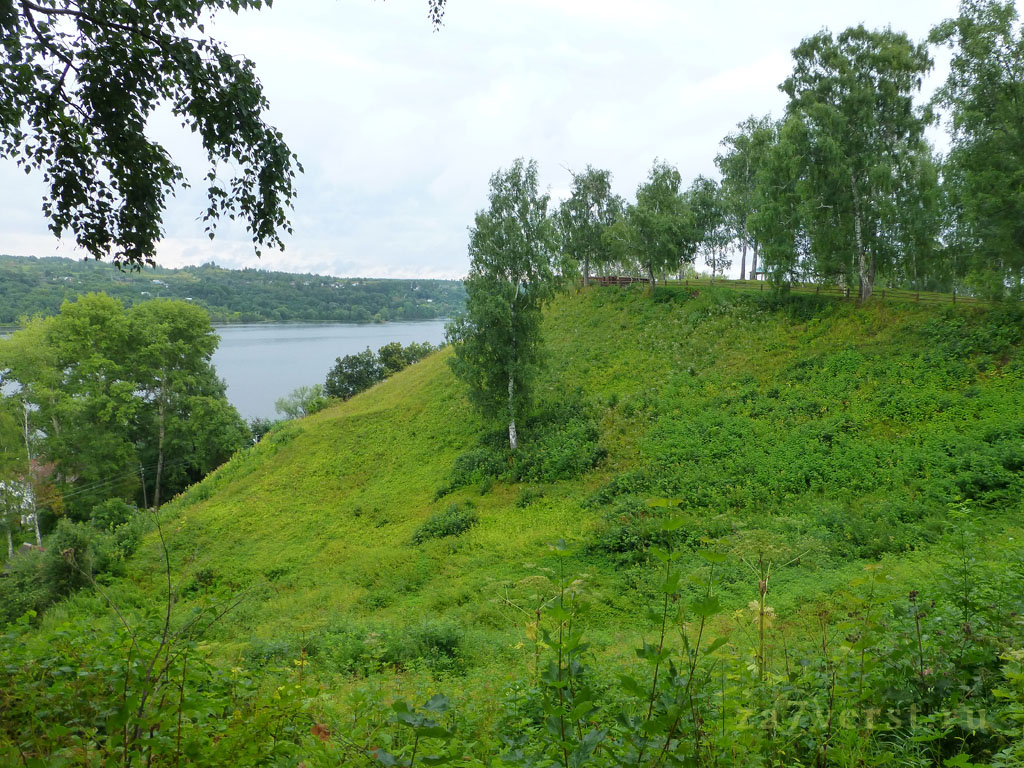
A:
(111, 513)
(453, 521)
(559, 442)
(527, 496)
(24, 588)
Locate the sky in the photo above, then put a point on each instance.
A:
(399, 127)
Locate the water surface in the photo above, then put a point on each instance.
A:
(265, 361)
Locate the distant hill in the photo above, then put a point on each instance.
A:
(31, 286)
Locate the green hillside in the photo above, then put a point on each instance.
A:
(819, 427)
(38, 286)
(826, 439)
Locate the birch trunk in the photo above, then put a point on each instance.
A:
(586, 271)
(31, 486)
(10, 543)
(753, 263)
(650, 271)
(865, 270)
(743, 260)
(513, 438)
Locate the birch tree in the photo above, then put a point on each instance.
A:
(584, 217)
(984, 172)
(660, 227)
(704, 197)
(853, 93)
(497, 343)
(744, 156)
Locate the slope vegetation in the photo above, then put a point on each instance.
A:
(805, 432)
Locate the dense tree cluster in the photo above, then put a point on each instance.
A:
(103, 402)
(357, 372)
(843, 189)
(32, 286)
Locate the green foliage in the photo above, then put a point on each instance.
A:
(454, 520)
(357, 372)
(38, 286)
(659, 233)
(799, 431)
(301, 402)
(497, 342)
(96, 682)
(984, 171)
(259, 427)
(107, 180)
(528, 496)
(582, 219)
(111, 514)
(115, 394)
(24, 588)
(745, 153)
(560, 441)
(849, 191)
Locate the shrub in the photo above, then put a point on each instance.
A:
(24, 588)
(527, 496)
(559, 442)
(71, 558)
(111, 513)
(453, 521)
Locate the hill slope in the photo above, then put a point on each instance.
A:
(792, 428)
(792, 537)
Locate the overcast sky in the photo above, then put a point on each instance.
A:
(400, 127)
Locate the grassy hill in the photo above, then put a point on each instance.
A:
(799, 429)
(827, 440)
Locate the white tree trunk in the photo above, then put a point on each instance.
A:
(743, 262)
(586, 271)
(31, 490)
(866, 271)
(10, 544)
(513, 437)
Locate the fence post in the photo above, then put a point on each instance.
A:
(762, 286)
(954, 295)
(883, 294)
(918, 297)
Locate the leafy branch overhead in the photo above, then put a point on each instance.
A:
(79, 82)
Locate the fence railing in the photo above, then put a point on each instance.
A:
(817, 289)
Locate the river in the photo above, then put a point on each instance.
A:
(265, 361)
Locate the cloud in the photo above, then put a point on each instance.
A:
(400, 127)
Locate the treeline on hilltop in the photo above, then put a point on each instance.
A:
(844, 188)
(38, 286)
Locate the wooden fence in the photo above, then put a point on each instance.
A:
(817, 289)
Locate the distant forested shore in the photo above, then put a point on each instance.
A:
(37, 286)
